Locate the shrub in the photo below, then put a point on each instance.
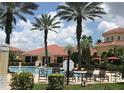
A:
(55, 82)
(22, 81)
(112, 67)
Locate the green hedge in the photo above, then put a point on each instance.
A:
(55, 82)
(22, 81)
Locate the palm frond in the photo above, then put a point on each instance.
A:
(46, 21)
(53, 30)
(55, 26)
(56, 23)
(91, 18)
(29, 6)
(14, 20)
(22, 17)
(88, 10)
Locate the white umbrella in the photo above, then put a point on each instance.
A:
(71, 65)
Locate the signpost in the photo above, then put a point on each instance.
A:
(69, 52)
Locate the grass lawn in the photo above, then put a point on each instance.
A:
(107, 86)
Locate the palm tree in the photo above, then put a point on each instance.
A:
(86, 44)
(79, 11)
(46, 23)
(13, 9)
(86, 41)
(69, 47)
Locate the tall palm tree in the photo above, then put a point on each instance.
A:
(46, 23)
(86, 45)
(13, 9)
(86, 41)
(79, 11)
(69, 47)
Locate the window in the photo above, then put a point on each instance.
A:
(118, 37)
(112, 38)
(27, 59)
(59, 59)
(107, 38)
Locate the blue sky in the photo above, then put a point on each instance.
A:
(23, 37)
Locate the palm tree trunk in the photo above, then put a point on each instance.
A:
(7, 41)
(79, 32)
(46, 50)
(8, 27)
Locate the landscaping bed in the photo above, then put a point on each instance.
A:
(105, 86)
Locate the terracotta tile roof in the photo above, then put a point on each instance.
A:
(114, 31)
(113, 43)
(52, 50)
(15, 49)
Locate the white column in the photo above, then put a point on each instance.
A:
(4, 54)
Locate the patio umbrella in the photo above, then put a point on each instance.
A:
(113, 58)
(98, 59)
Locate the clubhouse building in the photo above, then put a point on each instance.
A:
(112, 39)
(56, 54)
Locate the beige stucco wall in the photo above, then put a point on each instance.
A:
(100, 50)
(115, 37)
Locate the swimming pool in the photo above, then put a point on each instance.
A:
(34, 70)
(31, 69)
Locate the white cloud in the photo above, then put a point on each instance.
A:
(106, 7)
(119, 21)
(114, 17)
(53, 13)
(116, 8)
(86, 31)
(26, 39)
(105, 25)
(2, 36)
